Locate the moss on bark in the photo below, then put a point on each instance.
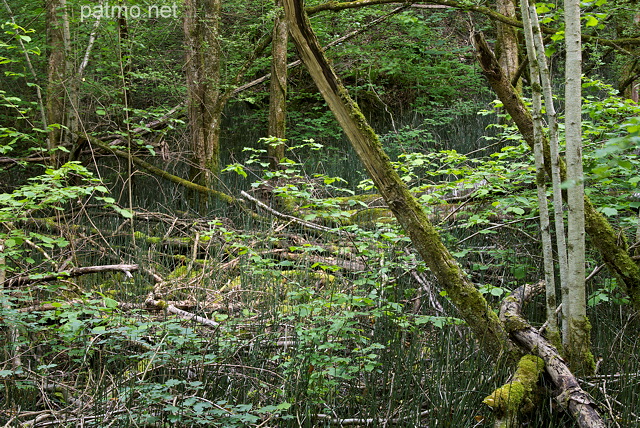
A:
(516, 398)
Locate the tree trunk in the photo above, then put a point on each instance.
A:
(278, 88)
(576, 339)
(535, 68)
(507, 41)
(603, 237)
(202, 36)
(58, 40)
(470, 303)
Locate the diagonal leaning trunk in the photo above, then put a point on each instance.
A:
(485, 324)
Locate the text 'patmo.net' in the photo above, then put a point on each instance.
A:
(107, 10)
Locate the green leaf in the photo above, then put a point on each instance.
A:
(110, 303)
(519, 272)
(123, 212)
(592, 21)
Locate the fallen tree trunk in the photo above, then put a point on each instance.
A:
(27, 279)
(569, 394)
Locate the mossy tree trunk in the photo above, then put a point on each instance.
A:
(278, 87)
(507, 40)
(469, 301)
(536, 67)
(204, 106)
(58, 41)
(602, 235)
(576, 338)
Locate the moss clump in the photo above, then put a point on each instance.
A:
(578, 352)
(184, 272)
(517, 397)
(507, 398)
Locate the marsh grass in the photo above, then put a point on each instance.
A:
(337, 335)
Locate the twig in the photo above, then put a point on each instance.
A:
(161, 304)
(293, 219)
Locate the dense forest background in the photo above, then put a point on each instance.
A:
(189, 236)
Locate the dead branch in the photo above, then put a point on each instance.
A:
(161, 304)
(164, 174)
(70, 273)
(300, 222)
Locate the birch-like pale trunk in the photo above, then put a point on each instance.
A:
(603, 236)
(556, 170)
(576, 338)
(535, 66)
(554, 149)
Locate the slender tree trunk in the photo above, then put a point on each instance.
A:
(554, 153)
(482, 320)
(278, 88)
(535, 67)
(58, 40)
(576, 336)
(202, 35)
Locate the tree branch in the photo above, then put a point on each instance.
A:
(31, 279)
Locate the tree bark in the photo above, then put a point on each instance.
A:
(576, 338)
(204, 110)
(58, 40)
(507, 41)
(278, 88)
(470, 303)
(535, 71)
(602, 235)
